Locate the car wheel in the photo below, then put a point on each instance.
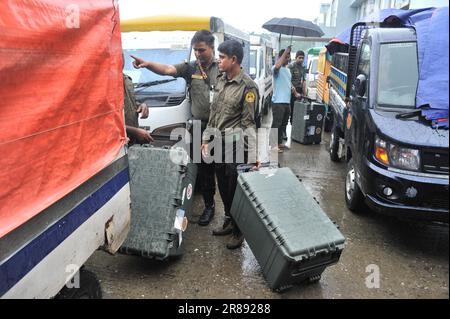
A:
(354, 198)
(334, 143)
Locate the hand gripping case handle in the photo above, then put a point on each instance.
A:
(245, 168)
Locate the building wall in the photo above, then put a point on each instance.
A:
(415, 4)
(346, 15)
(338, 15)
(367, 7)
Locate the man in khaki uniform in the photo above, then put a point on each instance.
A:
(298, 73)
(131, 110)
(232, 112)
(201, 76)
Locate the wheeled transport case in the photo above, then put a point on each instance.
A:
(162, 182)
(307, 122)
(287, 231)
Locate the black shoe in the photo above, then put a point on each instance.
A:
(207, 216)
(225, 229)
(235, 241)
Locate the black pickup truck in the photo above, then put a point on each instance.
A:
(397, 162)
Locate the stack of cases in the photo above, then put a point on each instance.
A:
(162, 182)
(307, 122)
(287, 231)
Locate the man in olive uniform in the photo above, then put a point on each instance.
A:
(131, 109)
(232, 113)
(201, 76)
(298, 73)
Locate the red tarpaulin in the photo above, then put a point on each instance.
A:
(61, 96)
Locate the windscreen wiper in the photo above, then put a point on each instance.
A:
(408, 115)
(152, 83)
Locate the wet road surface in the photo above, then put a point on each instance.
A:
(412, 259)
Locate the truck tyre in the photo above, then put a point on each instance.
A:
(89, 288)
(334, 142)
(354, 198)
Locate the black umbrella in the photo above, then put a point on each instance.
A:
(293, 26)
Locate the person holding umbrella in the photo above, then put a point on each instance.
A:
(292, 27)
(281, 98)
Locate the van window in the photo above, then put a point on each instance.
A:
(166, 56)
(261, 63)
(313, 66)
(398, 75)
(253, 63)
(269, 61)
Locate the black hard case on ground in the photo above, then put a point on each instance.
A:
(291, 237)
(162, 182)
(307, 122)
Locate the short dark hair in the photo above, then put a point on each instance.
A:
(203, 36)
(232, 47)
(281, 53)
(299, 53)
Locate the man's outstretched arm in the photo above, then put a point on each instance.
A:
(158, 68)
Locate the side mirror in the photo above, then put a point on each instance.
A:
(360, 85)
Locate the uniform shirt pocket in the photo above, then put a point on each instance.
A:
(233, 103)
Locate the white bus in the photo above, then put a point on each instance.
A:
(261, 61)
(167, 39)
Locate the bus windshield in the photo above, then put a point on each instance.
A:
(166, 56)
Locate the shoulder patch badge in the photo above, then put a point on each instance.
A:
(250, 97)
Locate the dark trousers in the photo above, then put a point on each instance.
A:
(281, 114)
(227, 180)
(205, 174)
(207, 182)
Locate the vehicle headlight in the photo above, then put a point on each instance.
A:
(396, 156)
(405, 158)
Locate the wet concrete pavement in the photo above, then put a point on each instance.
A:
(412, 259)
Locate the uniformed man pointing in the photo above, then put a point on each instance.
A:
(232, 110)
(201, 76)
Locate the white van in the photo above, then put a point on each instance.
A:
(312, 76)
(167, 39)
(261, 60)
